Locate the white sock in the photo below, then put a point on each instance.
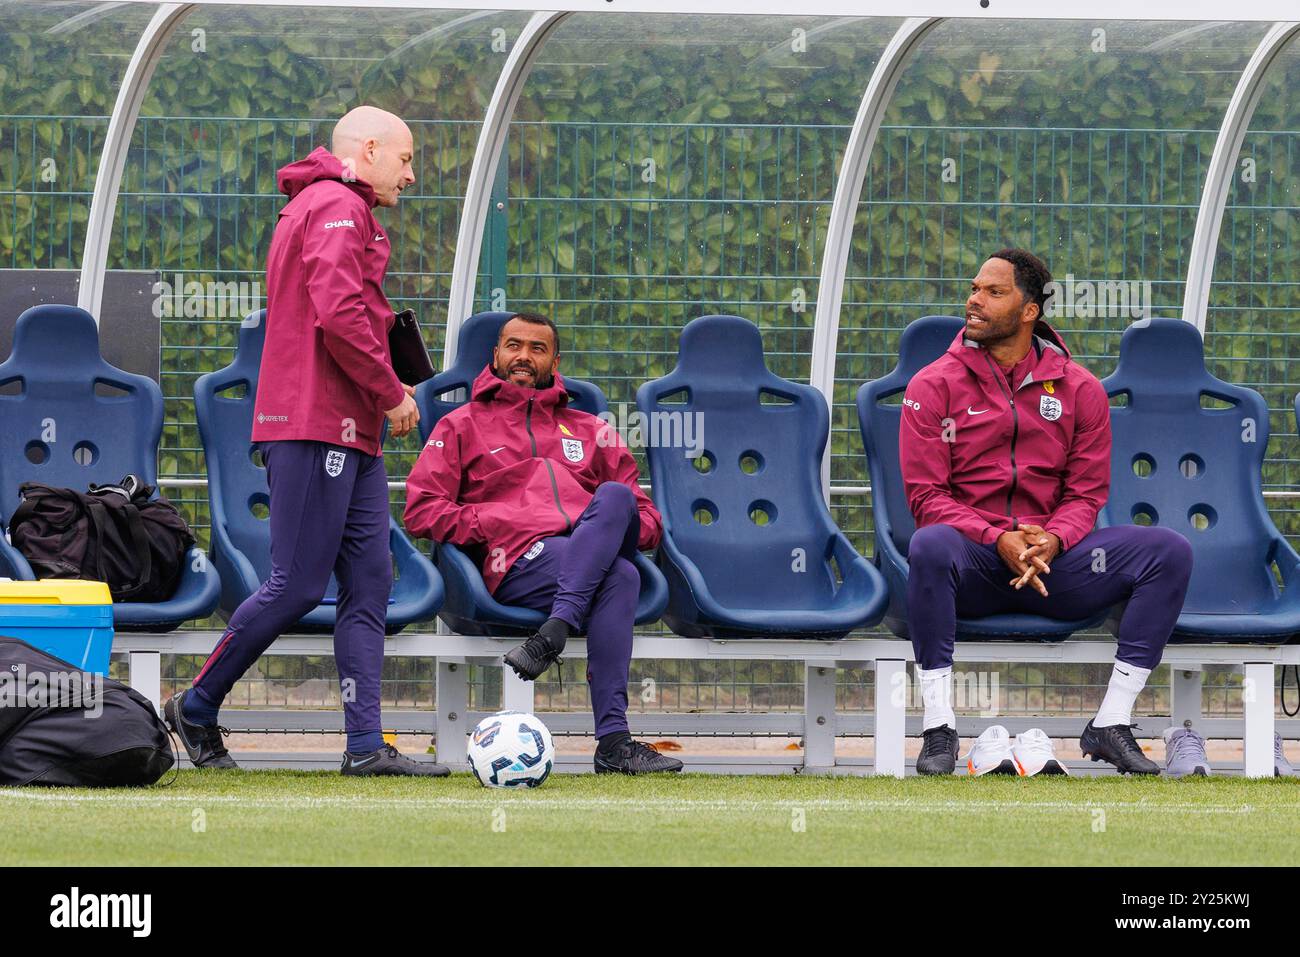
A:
(1126, 682)
(936, 696)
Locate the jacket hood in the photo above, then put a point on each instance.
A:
(317, 165)
(488, 386)
(1052, 354)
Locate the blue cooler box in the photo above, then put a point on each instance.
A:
(72, 620)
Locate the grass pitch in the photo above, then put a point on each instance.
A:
(295, 817)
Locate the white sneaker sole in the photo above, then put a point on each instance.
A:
(1006, 766)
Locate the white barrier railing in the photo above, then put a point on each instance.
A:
(887, 656)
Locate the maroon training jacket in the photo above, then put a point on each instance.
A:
(326, 374)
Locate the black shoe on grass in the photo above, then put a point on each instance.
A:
(388, 761)
(201, 742)
(630, 756)
(939, 747)
(1115, 744)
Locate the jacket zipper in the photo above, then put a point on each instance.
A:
(1015, 428)
(555, 488)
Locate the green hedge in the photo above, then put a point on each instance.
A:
(1095, 159)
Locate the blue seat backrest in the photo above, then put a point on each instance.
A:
(922, 342)
(1184, 464)
(762, 442)
(237, 480)
(67, 417)
(474, 345)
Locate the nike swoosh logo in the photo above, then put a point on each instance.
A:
(369, 760)
(495, 451)
(970, 411)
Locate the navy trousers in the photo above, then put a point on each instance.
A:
(1147, 567)
(587, 579)
(329, 513)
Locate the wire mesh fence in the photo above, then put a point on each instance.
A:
(731, 221)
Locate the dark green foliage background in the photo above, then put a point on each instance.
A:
(1094, 158)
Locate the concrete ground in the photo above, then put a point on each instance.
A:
(1227, 752)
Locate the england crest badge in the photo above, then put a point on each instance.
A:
(572, 449)
(334, 463)
(1049, 407)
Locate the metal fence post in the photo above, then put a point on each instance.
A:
(1185, 694)
(146, 676)
(819, 717)
(1257, 709)
(516, 693)
(452, 692)
(891, 715)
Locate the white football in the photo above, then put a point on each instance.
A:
(511, 749)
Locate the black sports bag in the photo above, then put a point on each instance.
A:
(63, 726)
(113, 534)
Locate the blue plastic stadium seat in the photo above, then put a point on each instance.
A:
(879, 414)
(67, 419)
(239, 499)
(750, 548)
(470, 608)
(1187, 454)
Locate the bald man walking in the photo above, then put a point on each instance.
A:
(325, 388)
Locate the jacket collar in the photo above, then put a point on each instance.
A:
(488, 388)
(1046, 360)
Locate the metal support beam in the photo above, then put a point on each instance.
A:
(1179, 11)
(1223, 165)
(1185, 696)
(516, 693)
(108, 178)
(1257, 707)
(145, 676)
(844, 208)
(819, 716)
(482, 173)
(891, 716)
(451, 688)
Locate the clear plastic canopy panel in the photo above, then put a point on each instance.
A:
(242, 91)
(60, 68)
(1253, 325)
(663, 168)
(1086, 142)
(660, 167)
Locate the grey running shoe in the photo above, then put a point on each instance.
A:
(1185, 752)
(1281, 766)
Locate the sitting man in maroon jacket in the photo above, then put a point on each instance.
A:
(549, 496)
(1005, 453)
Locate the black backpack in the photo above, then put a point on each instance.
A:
(64, 726)
(113, 534)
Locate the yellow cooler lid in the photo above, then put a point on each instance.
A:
(54, 591)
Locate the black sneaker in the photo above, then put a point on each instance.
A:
(939, 747)
(634, 757)
(532, 658)
(1115, 744)
(389, 761)
(201, 742)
